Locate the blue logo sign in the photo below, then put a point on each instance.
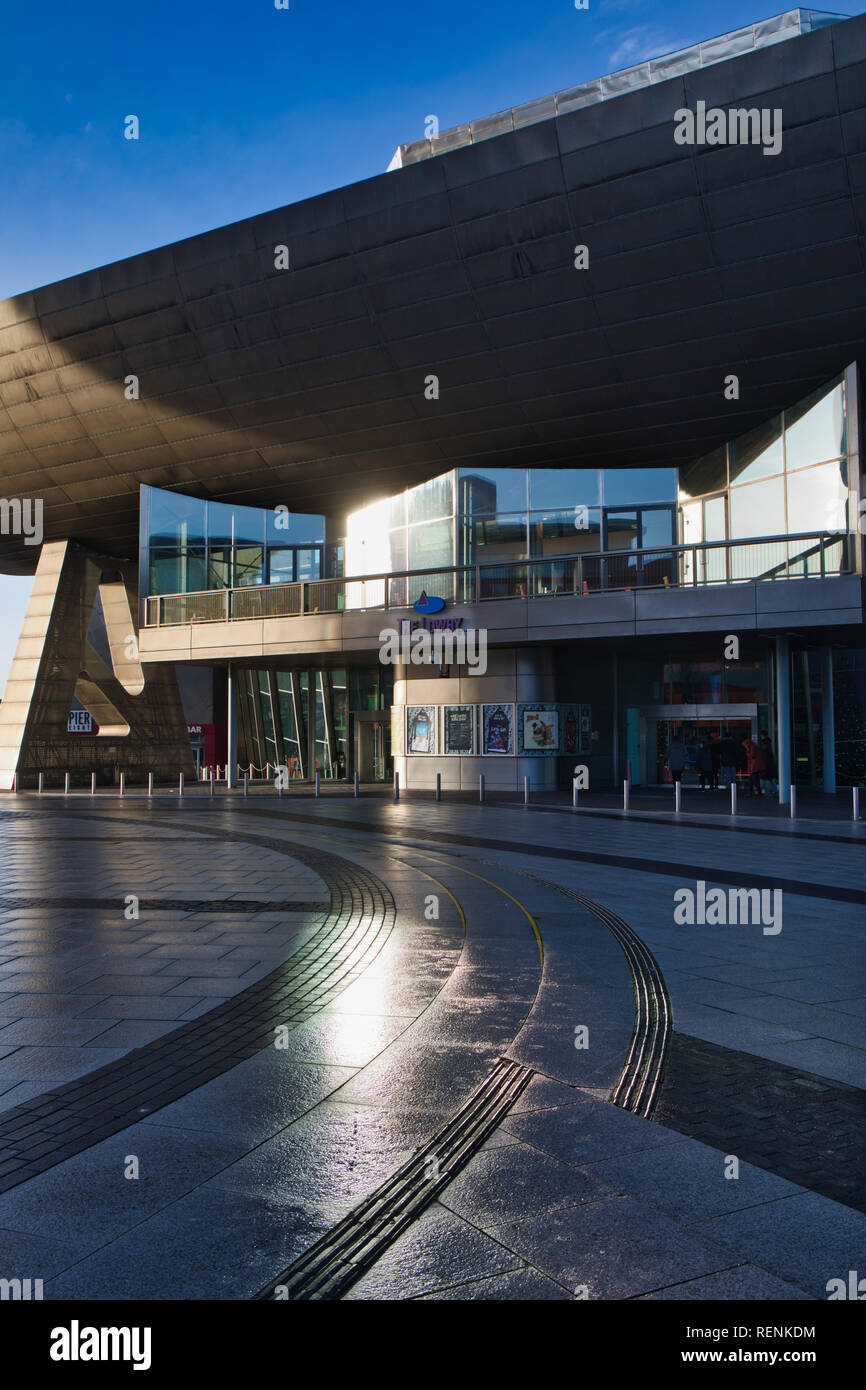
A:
(429, 604)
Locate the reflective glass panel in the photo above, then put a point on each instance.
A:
(757, 454)
(249, 565)
(175, 519)
(219, 524)
(294, 528)
(177, 571)
(491, 490)
(249, 523)
(281, 566)
(433, 499)
(815, 429)
(707, 474)
(657, 527)
(816, 499)
(561, 489)
(628, 486)
(758, 510)
(309, 564)
(623, 531)
(431, 546)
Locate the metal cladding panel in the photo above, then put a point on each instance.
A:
(306, 386)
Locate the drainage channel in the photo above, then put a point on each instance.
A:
(638, 1086)
(349, 1249)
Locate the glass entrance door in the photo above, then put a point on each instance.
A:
(692, 733)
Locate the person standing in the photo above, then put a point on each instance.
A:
(705, 765)
(677, 757)
(754, 765)
(729, 758)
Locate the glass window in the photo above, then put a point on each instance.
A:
(657, 528)
(249, 565)
(623, 530)
(758, 510)
(757, 454)
(431, 546)
(575, 524)
(815, 429)
(433, 499)
(175, 519)
(562, 489)
(177, 571)
(629, 486)
(219, 567)
(707, 474)
(491, 490)
(309, 564)
(249, 524)
(293, 528)
(399, 550)
(281, 566)
(714, 519)
(219, 524)
(816, 499)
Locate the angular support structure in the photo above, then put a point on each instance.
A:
(78, 642)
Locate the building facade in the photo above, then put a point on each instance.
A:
(546, 452)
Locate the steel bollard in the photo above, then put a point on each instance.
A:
(40, 782)
(734, 798)
(793, 802)
(355, 787)
(626, 791)
(246, 784)
(677, 797)
(268, 771)
(180, 784)
(438, 786)
(66, 784)
(150, 784)
(855, 798)
(481, 786)
(396, 786)
(526, 791)
(122, 783)
(93, 784)
(211, 782)
(317, 783)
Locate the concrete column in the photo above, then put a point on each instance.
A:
(232, 723)
(783, 718)
(827, 719)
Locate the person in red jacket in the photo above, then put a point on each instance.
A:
(755, 764)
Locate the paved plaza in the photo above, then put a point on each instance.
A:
(336, 1048)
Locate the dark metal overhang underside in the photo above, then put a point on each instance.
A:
(306, 386)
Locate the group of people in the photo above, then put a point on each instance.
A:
(726, 758)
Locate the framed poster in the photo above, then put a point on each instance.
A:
(569, 729)
(585, 745)
(458, 729)
(498, 730)
(539, 729)
(421, 729)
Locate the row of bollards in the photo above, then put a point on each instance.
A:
(626, 789)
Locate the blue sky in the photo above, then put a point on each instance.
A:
(244, 107)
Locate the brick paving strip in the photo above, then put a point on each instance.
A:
(793, 1123)
(40, 1133)
(209, 905)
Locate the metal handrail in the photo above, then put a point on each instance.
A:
(319, 596)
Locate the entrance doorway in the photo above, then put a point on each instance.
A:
(372, 737)
(691, 724)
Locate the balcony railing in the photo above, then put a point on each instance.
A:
(812, 555)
